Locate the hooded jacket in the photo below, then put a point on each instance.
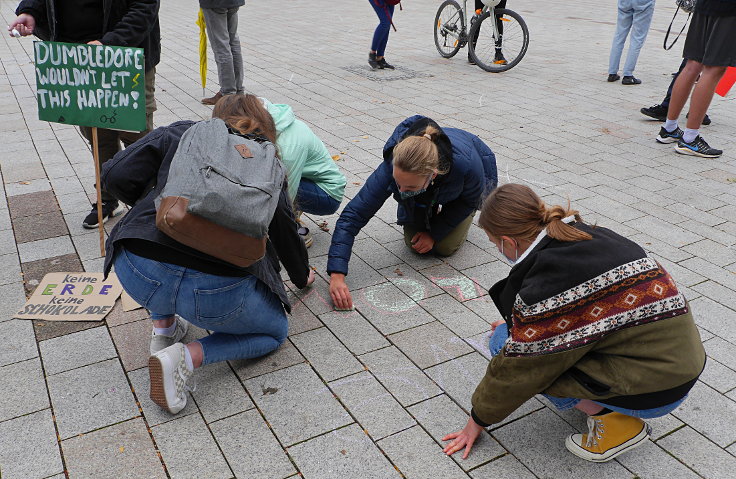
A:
(304, 154)
(452, 197)
(594, 319)
(125, 23)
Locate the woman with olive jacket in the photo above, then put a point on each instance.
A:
(439, 178)
(590, 321)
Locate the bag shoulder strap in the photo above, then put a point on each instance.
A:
(667, 35)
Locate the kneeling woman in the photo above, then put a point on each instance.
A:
(245, 307)
(439, 178)
(591, 322)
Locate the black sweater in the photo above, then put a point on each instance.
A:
(137, 175)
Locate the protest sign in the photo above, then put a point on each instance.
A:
(91, 85)
(72, 297)
(128, 303)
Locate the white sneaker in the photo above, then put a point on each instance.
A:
(161, 341)
(169, 375)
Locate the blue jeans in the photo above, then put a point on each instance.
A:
(312, 199)
(498, 339)
(247, 318)
(634, 16)
(380, 36)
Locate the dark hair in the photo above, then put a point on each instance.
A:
(516, 211)
(246, 114)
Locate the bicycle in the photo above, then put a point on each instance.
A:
(497, 46)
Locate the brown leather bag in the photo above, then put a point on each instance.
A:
(203, 235)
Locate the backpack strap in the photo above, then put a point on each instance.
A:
(670, 28)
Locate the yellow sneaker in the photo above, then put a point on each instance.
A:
(608, 436)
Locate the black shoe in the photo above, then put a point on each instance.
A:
(706, 119)
(372, 61)
(630, 80)
(665, 136)
(470, 60)
(697, 147)
(613, 77)
(110, 209)
(499, 59)
(658, 112)
(383, 64)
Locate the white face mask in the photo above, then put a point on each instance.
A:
(510, 261)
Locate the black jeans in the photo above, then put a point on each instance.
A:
(666, 101)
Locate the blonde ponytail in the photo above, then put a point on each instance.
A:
(419, 154)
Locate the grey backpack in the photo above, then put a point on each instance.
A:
(221, 193)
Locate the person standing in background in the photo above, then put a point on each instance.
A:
(385, 11)
(128, 24)
(221, 18)
(634, 16)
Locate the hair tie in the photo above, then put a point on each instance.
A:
(428, 136)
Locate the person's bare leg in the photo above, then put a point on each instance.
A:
(195, 350)
(703, 94)
(682, 88)
(589, 407)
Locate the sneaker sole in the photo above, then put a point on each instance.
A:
(155, 370)
(632, 443)
(667, 140)
(116, 212)
(688, 151)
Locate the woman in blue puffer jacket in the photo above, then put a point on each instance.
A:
(438, 176)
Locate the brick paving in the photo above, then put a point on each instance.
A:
(368, 393)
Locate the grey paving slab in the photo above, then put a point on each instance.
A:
(302, 319)
(189, 450)
(416, 455)
(538, 441)
(429, 344)
(459, 377)
(287, 355)
(133, 341)
(354, 331)
(650, 460)
(710, 413)
(46, 248)
(219, 393)
(372, 405)
(154, 414)
(359, 276)
(417, 261)
(507, 467)
(698, 453)
(91, 397)
(121, 450)
(389, 309)
(316, 297)
(24, 390)
(12, 299)
(38, 227)
(326, 354)
(20, 341)
(406, 382)
(346, 452)
(276, 393)
(718, 376)
(76, 350)
(413, 283)
(455, 315)
(375, 255)
(10, 269)
(440, 416)
(486, 275)
(33, 432)
(715, 291)
(250, 447)
(32, 204)
(715, 317)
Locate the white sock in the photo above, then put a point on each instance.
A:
(188, 358)
(690, 135)
(670, 125)
(166, 331)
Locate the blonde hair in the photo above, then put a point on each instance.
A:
(516, 211)
(419, 154)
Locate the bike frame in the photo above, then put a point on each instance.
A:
(463, 36)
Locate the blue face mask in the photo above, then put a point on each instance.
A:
(511, 262)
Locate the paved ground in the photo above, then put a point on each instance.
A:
(369, 393)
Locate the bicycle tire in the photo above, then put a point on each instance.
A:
(492, 67)
(439, 39)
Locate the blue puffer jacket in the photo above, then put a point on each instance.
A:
(451, 198)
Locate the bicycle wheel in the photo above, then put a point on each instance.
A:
(499, 54)
(449, 27)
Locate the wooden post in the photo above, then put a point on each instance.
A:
(98, 187)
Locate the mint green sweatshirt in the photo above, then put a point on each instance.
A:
(304, 154)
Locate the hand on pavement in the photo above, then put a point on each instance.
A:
(340, 292)
(463, 439)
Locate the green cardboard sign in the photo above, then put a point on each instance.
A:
(91, 85)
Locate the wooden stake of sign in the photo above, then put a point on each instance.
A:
(98, 187)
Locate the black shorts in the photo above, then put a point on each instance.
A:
(711, 40)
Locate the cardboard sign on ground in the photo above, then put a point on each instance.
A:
(128, 303)
(72, 297)
(91, 85)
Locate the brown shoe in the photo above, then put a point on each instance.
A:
(212, 100)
